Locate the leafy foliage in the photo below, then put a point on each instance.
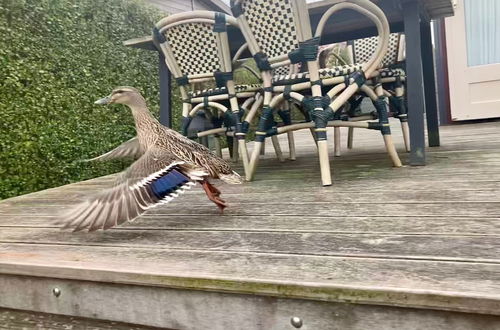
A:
(56, 58)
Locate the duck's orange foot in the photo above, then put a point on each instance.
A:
(213, 195)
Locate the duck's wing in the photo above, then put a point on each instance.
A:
(128, 149)
(153, 179)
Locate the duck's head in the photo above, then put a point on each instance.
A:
(122, 95)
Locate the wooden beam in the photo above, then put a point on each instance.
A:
(145, 42)
(165, 92)
(415, 83)
(431, 109)
(190, 309)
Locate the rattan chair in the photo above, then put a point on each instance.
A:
(284, 113)
(278, 33)
(196, 50)
(391, 76)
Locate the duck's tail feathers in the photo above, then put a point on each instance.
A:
(232, 178)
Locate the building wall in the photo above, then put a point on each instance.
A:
(177, 6)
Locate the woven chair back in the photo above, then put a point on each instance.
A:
(272, 24)
(363, 49)
(194, 46)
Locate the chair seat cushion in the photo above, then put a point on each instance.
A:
(223, 90)
(326, 73)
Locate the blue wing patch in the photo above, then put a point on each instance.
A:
(168, 183)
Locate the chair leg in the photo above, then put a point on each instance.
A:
(385, 129)
(265, 121)
(218, 149)
(291, 146)
(324, 159)
(336, 141)
(391, 150)
(398, 102)
(277, 148)
(286, 117)
(350, 137)
(254, 159)
(235, 150)
(324, 163)
(244, 156)
(406, 135)
(314, 136)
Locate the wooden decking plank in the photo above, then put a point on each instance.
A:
(288, 173)
(490, 209)
(443, 247)
(486, 190)
(480, 226)
(335, 197)
(376, 186)
(423, 284)
(298, 179)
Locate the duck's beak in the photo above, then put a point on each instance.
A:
(103, 101)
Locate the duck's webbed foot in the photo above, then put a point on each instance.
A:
(214, 190)
(213, 195)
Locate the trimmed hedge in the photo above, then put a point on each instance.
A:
(56, 58)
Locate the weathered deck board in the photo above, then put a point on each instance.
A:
(20, 320)
(425, 237)
(411, 283)
(395, 196)
(480, 226)
(489, 209)
(454, 247)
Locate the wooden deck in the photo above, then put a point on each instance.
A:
(383, 248)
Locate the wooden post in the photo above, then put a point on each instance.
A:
(165, 92)
(414, 82)
(431, 109)
(336, 143)
(350, 137)
(442, 84)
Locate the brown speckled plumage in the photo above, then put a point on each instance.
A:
(151, 133)
(168, 164)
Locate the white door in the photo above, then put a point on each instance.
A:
(473, 42)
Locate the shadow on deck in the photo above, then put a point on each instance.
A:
(381, 248)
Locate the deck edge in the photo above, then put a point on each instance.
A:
(421, 299)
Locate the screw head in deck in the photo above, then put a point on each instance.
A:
(296, 322)
(56, 292)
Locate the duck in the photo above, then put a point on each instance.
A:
(167, 164)
(130, 149)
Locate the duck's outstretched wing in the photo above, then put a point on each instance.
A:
(152, 180)
(129, 149)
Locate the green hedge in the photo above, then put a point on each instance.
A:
(56, 58)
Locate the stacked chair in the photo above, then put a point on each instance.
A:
(278, 34)
(390, 77)
(279, 37)
(196, 50)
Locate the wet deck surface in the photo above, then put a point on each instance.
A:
(425, 237)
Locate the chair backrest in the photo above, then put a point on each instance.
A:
(193, 44)
(363, 49)
(194, 47)
(274, 27)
